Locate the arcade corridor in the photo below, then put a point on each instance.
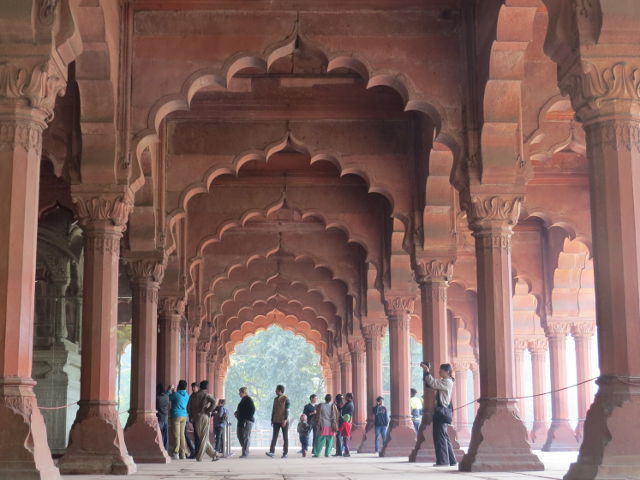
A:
(457, 175)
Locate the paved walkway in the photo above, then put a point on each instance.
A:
(358, 467)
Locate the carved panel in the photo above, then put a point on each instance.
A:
(21, 134)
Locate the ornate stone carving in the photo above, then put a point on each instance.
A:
(488, 210)
(38, 83)
(357, 345)
(520, 344)
(399, 304)
(538, 345)
(435, 269)
(461, 366)
(107, 208)
(145, 269)
(374, 330)
(557, 328)
(46, 11)
(203, 346)
(23, 134)
(615, 134)
(591, 86)
(103, 244)
(20, 404)
(172, 305)
(345, 358)
(583, 329)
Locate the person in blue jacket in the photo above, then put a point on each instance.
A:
(179, 400)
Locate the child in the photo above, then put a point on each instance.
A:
(303, 431)
(345, 430)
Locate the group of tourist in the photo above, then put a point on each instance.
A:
(177, 409)
(319, 425)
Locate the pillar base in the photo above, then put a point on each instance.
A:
(424, 450)
(357, 434)
(560, 438)
(367, 445)
(579, 431)
(538, 435)
(610, 449)
(24, 451)
(143, 438)
(401, 438)
(499, 440)
(96, 443)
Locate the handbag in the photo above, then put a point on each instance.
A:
(443, 414)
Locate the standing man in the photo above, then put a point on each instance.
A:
(200, 407)
(381, 421)
(245, 415)
(310, 410)
(339, 404)
(195, 443)
(220, 416)
(280, 421)
(416, 406)
(163, 404)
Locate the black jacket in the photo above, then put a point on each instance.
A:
(162, 406)
(246, 409)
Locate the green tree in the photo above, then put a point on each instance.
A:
(269, 358)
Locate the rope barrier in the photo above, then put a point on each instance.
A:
(60, 407)
(535, 395)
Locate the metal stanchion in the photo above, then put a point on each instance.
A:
(227, 440)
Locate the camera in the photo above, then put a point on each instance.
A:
(426, 363)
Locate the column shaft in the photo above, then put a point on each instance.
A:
(539, 431)
(582, 334)
(357, 348)
(561, 436)
(346, 378)
(497, 427)
(373, 334)
(401, 436)
(96, 439)
(142, 432)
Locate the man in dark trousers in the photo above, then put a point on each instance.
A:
(280, 421)
(245, 415)
(312, 417)
(219, 422)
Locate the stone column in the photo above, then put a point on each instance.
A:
(497, 428)
(184, 351)
(337, 377)
(142, 432)
(475, 371)
(401, 436)
(561, 437)
(193, 331)
(220, 380)
(461, 416)
(373, 334)
(27, 97)
(346, 374)
(538, 349)
(596, 49)
(582, 335)
(433, 277)
(171, 316)
(211, 375)
(519, 348)
(96, 440)
(357, 349)
(328, 382)
(201, 361)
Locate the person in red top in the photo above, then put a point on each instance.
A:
(345, 430)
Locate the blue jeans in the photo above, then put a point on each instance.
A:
(380, 432)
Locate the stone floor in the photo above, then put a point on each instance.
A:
(358, 467)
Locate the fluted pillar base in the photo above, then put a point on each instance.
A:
(367, 445)
(401, 438)
(97, 443)
(610, 449)
(538, 435)
(499, 440)
(24, 452)
(424, 450)
(144, 439)
(561, 438)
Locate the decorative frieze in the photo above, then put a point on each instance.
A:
(25, 135)
(615, 135)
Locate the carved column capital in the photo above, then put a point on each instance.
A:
(461, 366)
(557, 329)
(520, 344)
(203, 346)
(172, 305)
(604, 86)
(583, 329)
(493, 212)
(538, 345)
(107, 209)
(357, 345)
(34, 82)
(434, 270)
(399, 304)
(374, 331)
(145, 268)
